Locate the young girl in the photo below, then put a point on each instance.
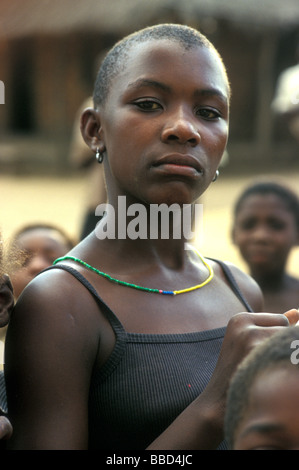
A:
(266, 229)
(124, 336)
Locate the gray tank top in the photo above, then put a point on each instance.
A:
(148, 380)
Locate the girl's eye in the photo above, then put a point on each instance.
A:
(209, 114)
(148, 105)
(276, 224)
(248, 224)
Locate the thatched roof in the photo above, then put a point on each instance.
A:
(29, 17)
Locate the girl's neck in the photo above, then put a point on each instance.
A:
(170, 253)
(141, 230)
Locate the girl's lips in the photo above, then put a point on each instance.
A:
(179, 170)
(179, 164)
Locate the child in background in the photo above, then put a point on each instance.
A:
(6, 299)
(6, 305)
(262, 408)
(39, 245)
(266, 229)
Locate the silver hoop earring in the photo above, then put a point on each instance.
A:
(99, 156)
(216, 176)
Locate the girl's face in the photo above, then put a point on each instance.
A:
(271, 420)
(265, 231)
(165, 124)
(40, 247)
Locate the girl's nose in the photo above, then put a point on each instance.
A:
(183, 128)
(261, 233)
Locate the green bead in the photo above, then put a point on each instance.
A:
(135, 286)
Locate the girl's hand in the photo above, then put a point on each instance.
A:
(293, 316)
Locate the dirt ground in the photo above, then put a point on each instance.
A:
(60, 200)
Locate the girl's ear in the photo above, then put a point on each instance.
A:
(90, 126)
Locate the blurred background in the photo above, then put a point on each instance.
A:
(48, 51)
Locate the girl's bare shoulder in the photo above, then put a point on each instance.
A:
(56, 304)
(248, 286)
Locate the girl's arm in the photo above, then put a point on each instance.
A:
(51, 346)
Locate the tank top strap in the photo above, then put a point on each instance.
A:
(233, 284)
(114, 321)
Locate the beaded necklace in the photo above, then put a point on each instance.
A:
(135, 286)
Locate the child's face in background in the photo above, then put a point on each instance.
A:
(41, 248)
(265, 232)
(271, 421)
